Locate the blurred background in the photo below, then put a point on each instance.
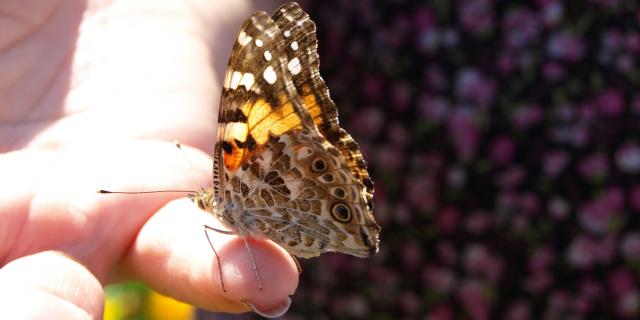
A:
(504, 141)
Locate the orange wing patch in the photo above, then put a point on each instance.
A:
(243, 140)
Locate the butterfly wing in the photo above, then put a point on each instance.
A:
(257, 100)
(279, 175)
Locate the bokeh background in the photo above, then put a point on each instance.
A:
(504, 140)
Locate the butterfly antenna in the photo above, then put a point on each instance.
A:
(139, 192)
(193, 177)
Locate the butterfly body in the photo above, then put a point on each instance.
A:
(283, 168)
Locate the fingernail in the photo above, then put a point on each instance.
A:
(272, 312)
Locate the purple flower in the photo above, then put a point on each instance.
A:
(502, 149)
(554, 162)
(621, 281)
(611, 103)
(511, 178)
(527, 116)
(565, 46)
(552, 12)
(440, 279)
(594, 166)
(476, 16)
(634, 198)
(519, 310)
(464, 133)
(474, 297)
(559, 208)
(448, 219)
(521, 28)
(581, 252)
(474, 87)
(630, 247)
(542, 259)
(628, 157)
(478, 222)
(479, 261)
(602, 214)
(538, 282)
(434, 109)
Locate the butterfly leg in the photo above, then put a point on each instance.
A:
(297, 263)
(206, 227)
(253, 263)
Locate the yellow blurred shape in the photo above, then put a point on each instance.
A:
(163, 307)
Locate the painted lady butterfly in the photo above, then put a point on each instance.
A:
(283, 168)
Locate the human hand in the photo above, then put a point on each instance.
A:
(91, 94)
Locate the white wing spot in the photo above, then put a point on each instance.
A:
(259, 43)
(294, 66)
(287, 34)
(244, 39)
(247, 80)
(235, 79)
(227, 79)
(270, 75)
(267, 55)
(294, 45)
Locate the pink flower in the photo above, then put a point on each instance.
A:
(476, 16)
(611, 103)
(594, 166)
(448, 219)
(440, 279)
(542, 259)
(502, 149)
(411, 255)
(478, 260)
(559, 208)
(628, 157)
(538, 282)
(369, 122)
(401, 96)
(634, 198)
(410, 303)
(565, 46)
(629, 305)
(474, 297)
(478, 222)
(456, 177)
(511, 178)
(440, 312)
(447, 252)
(421, 192)
(603, 213)
(553, 71)
(621, 281)
(474, 87)
(630, 247)
(520, 310)
(464, 133)
(582, 252)
(527, 116)
(555, 162)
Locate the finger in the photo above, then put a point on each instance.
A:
(172, 254)
(49, 285)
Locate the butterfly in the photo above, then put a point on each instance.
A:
(283, 168)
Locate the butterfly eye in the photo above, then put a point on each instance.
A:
(318, 165)
(339, 193)
(341, 212)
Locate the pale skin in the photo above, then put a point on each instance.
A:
(92, 96)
